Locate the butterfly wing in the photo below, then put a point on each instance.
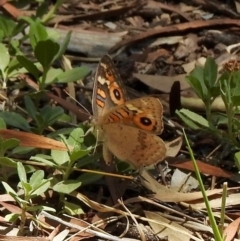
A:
(144, 113)
(108, 90)
(133, 145)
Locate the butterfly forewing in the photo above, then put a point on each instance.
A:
(108, 89)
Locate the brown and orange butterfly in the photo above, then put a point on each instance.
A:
(127, 128)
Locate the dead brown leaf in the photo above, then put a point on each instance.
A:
(162, 83)
(33, 140)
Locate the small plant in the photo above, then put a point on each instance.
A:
(206, 85)
(36, 186)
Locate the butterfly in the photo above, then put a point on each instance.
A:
(127, 128)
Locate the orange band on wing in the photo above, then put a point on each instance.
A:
(101, 93)
(100, 103)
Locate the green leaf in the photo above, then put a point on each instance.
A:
(195, 117)
(8, 188)
(21, 172)
(30, 107)
(15, 120)
(5, 58)
(7, 26)
(19, 27)
(43, 55)
(41, 188)
(67, 186)
(2, 124)
(13, 67)
(77, 154)
(188, 122)
(73, 75)
(7, 162)
(22, 150)
(86, 160)
(76, 138)
(63, 46)
(42, 9)
(72, 208)
(237, 159)
(198, 86)
(51, 114)
(60, 157)
(89, 178)
(1, 35)
(42, 160)
(36, 178)
(12, 217)
(38, 208)
(26, 187)
(210, 72)
(9, 144)
(51, 75)
(29, 66)
(37, 33)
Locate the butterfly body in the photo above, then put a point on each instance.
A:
(127, 128)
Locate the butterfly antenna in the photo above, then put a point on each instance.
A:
(77, 102)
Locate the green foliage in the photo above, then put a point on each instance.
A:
(40, 65)
(45, 48)
(65, 162)
(208, 87)
(31, 188)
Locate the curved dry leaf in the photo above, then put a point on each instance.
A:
(173, 230)
(231, 230)
(174, 146)
(161, 82)
(168, 195)
(33, 140)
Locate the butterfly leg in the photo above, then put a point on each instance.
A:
(107, 155)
